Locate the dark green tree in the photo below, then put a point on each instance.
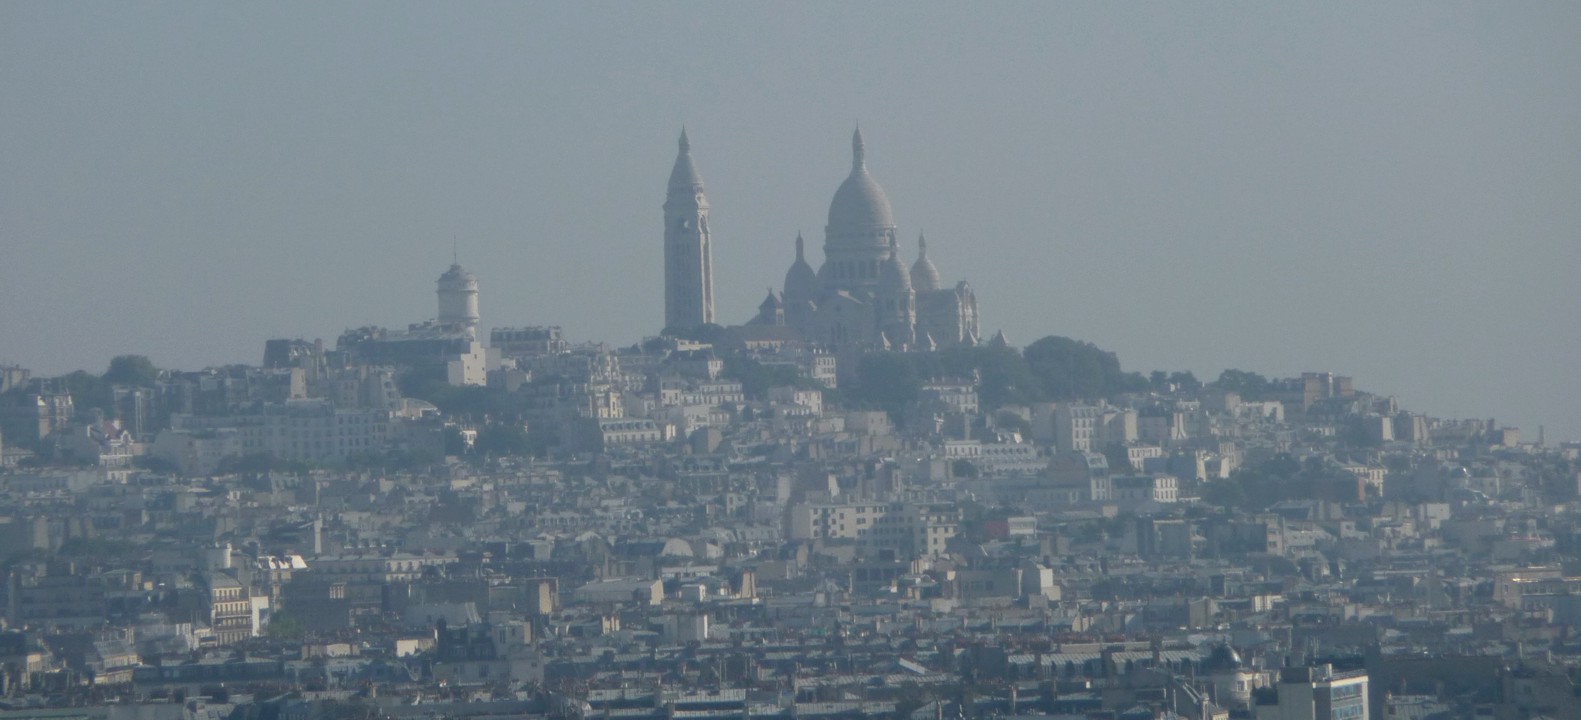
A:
(1006, 378)
(886, 380)
(502, 439)
(756, 378)
(135, 370)
(88, 391)
(286, 627)
(1249, 385)
(1071, 369)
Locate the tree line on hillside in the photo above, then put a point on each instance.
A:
(1051, 369)
(89, 391)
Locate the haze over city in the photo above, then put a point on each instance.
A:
(1384, 191)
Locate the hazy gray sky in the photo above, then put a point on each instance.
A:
(1386, 190)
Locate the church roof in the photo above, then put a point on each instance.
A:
(860, 204)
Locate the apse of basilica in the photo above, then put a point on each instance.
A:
(862, 296)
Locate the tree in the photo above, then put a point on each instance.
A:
(1006, 378)
(886, 380)
(1249, 385)
(1225, 493)
(1071, 369)
(136, 370)
(756, 378)
(455, 444)
(286, 627)
(88, 391)
(503, 439)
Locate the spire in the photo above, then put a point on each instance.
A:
(922, 245)
(858, 151)
(684, 176)
(800, 257)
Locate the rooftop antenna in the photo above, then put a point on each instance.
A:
(455, 251)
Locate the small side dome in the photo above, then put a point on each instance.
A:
(801, 283)
(892, 273)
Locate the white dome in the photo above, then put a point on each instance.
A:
(860, 205)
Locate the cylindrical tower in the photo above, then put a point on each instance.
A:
(458, 300)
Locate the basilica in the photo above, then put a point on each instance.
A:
(861, 297)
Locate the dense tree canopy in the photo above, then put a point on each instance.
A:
(135, 370)
(1054, 368)
(886, 380)
(1282, 477)
(1071, 369)
(756, 378)
(1249, 385)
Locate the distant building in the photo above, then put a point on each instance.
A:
(862, 297)
(528, 341)
(1319, 692)
(688, 246)
(458, 301)
(451, 340)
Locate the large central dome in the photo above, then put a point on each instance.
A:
(860, 205)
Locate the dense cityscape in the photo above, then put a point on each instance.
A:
(856, 503)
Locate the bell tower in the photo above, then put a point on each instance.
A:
(688, 251)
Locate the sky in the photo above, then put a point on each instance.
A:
(1390, 191)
